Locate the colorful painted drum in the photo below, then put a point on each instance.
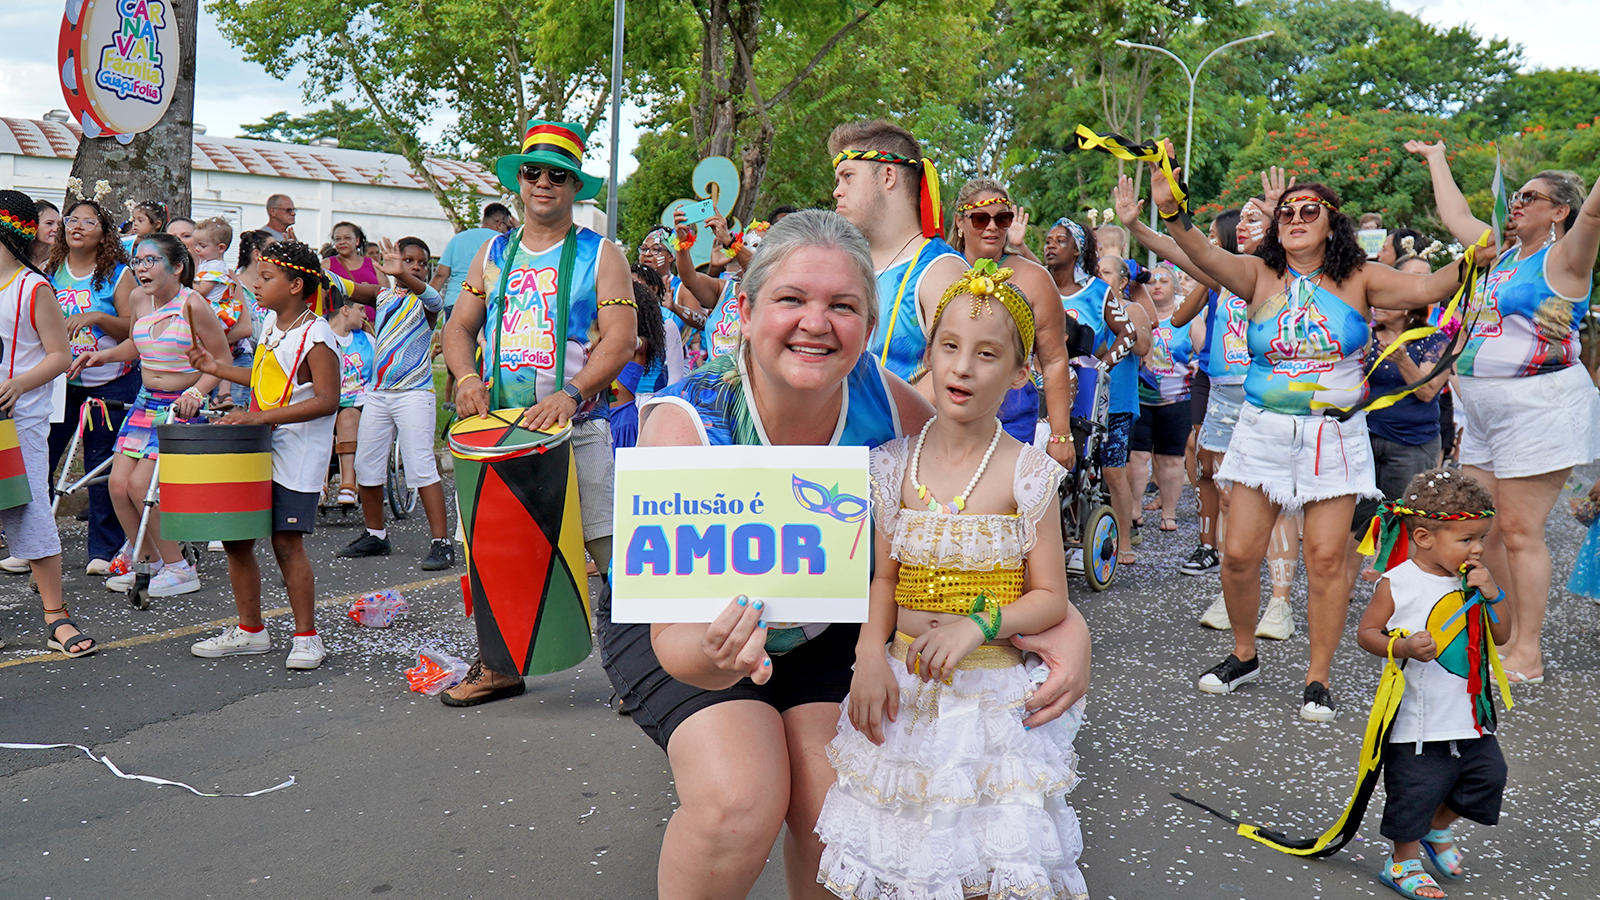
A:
(216, 482)
(14, 490)
(517, 493)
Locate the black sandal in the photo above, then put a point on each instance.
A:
(80, 637)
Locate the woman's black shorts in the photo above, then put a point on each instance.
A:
(817, 671)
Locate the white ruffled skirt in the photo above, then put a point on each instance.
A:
(960, 801)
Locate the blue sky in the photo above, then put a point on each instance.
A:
(1554, 33)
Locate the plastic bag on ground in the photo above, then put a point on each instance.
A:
(378, 609)
(436, 671)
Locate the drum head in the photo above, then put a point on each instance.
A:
(500, 435)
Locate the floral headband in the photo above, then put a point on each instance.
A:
(986, 281)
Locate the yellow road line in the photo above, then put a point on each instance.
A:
(222, 623)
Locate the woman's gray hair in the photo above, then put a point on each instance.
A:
(1566, 187)
(822, 229)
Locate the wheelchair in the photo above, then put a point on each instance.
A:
(1088, 526)
(402, 498)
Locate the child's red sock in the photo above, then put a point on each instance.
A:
(252, 629)
(308, 633)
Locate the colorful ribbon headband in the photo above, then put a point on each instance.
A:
(969, 207)
(986, 281)
(932, 211)
(27, 230)
(1386, 539)
(1140, 151)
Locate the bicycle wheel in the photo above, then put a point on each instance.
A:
(402, 498)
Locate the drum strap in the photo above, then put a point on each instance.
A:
(569, 259)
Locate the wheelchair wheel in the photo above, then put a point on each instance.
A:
(402, 499)
(1100, 548)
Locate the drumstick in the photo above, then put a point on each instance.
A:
(858, 538)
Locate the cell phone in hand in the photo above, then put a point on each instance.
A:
(700, 211)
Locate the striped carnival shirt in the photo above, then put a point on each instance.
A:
(401, 360)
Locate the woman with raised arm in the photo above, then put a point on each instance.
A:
(1532, 411)
(743, 710)
(1308, 292)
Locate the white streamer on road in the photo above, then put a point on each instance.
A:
(150, 779)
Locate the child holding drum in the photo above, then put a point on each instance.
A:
(33, 338)
(294, 387)
(172, 318)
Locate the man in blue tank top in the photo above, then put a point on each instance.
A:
(888, 190)
(534, 295)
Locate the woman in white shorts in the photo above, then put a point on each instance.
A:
(1532, 410)
(1309, 291)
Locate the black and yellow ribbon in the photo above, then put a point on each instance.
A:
(1462, 300)
(1380, 721)
(1137, 151)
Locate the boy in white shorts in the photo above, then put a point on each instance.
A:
(400, 405)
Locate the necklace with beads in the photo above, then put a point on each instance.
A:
(960, 502)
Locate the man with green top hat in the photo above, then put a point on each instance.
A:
(535, 295)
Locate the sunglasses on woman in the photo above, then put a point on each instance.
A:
(531, 173)
(1308, 212)
(980, 220)
(1523, 198)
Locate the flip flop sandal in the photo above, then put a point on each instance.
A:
(1164, 524)
(53, 644)
(1446, 862)
(1515, 677)
(1406, 877)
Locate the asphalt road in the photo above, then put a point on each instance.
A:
(553, 795)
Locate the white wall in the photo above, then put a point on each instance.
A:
(380, 210)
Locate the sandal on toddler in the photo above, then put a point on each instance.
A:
(1407, 877)
(1446, 862)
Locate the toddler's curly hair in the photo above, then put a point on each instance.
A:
(1442, 494)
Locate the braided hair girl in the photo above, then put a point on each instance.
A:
(34, 351)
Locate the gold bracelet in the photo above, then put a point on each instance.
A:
(619, 301)
(1059, 438)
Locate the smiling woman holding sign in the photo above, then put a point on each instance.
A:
(745, 726)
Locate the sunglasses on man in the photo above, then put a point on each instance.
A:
(980, 220)
(532, 171)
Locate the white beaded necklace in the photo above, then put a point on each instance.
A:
(960, 502)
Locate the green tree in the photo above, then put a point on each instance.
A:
(1557, 98)
(495, 64)
(355, 127)
(1413, 66)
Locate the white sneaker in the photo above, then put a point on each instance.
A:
(15, 566)
(119, 584)
(1277, 623)
(178, 578)
(215, 547)
(233, 642)
(308, 652)
(1217, 616)
(99, 568)
(1075, 561)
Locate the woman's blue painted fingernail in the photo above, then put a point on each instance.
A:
(767, 661)
(762, 623)
(1027, 728)
(742, 601)
(758, 604)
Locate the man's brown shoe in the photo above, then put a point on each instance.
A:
(481, 686)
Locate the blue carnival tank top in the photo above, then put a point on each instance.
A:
(722, 323)
(899, 340)
(1164, 374)
(1305, 335)
(524, 372)
(1228, 360)
(1520, 325)
(81, 295)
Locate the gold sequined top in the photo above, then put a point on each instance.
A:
(947, 560)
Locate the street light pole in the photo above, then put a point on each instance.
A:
(617, 12)
(1188, 138)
